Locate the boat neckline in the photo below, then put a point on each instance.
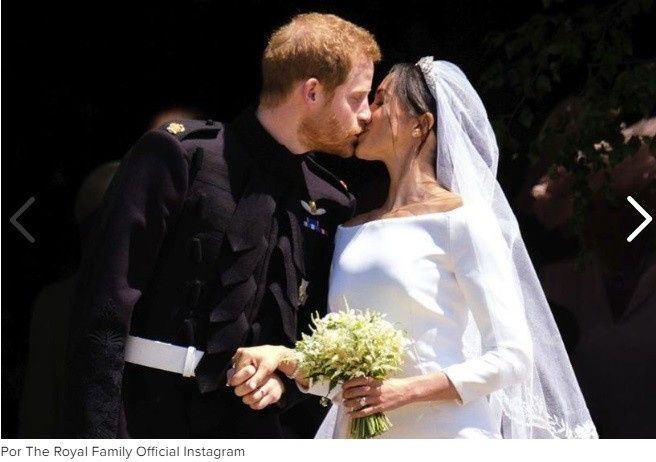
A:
(407, 217)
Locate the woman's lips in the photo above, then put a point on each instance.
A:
(358, 138)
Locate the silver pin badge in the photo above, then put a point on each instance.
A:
(311, 208)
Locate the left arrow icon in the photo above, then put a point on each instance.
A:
(14, 220)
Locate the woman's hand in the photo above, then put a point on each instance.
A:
(365, 396)
(265, 359)
(385, 395)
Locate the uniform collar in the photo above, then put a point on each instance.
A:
(270, 155)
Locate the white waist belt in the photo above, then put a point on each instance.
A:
(160, 355)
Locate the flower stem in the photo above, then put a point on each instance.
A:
(370, 426)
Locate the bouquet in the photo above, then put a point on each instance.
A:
(350, 344)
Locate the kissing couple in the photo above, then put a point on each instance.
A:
(216, 242)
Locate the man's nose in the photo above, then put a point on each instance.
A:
(365, 113)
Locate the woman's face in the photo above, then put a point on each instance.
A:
(390, 131)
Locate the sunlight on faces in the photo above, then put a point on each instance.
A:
(334, 127)
(390, 129)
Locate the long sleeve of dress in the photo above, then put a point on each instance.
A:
(322, 388)
(146, 195)
(484, 271)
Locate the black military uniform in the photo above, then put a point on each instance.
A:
(211, 236)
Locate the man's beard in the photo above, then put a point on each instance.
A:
(324, 134)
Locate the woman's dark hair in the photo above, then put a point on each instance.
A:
(412, 90)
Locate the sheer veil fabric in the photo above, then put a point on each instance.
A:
(549, 404)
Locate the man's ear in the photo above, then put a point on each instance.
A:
(312, 91)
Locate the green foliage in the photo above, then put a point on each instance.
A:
(350, 344)
(574, 82)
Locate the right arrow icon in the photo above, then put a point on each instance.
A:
(644, 213)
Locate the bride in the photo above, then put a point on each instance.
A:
(443, 258)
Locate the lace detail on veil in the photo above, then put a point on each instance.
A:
(533, 415)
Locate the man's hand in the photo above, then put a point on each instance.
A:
(252, 366)
(269, 393)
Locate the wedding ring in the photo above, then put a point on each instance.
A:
(363, 401)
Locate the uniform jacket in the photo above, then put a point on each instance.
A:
(213, 236)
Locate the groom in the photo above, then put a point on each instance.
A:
(214, 237)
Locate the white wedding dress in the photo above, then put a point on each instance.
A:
(429, 274)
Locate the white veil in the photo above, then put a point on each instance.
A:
(550, 403)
